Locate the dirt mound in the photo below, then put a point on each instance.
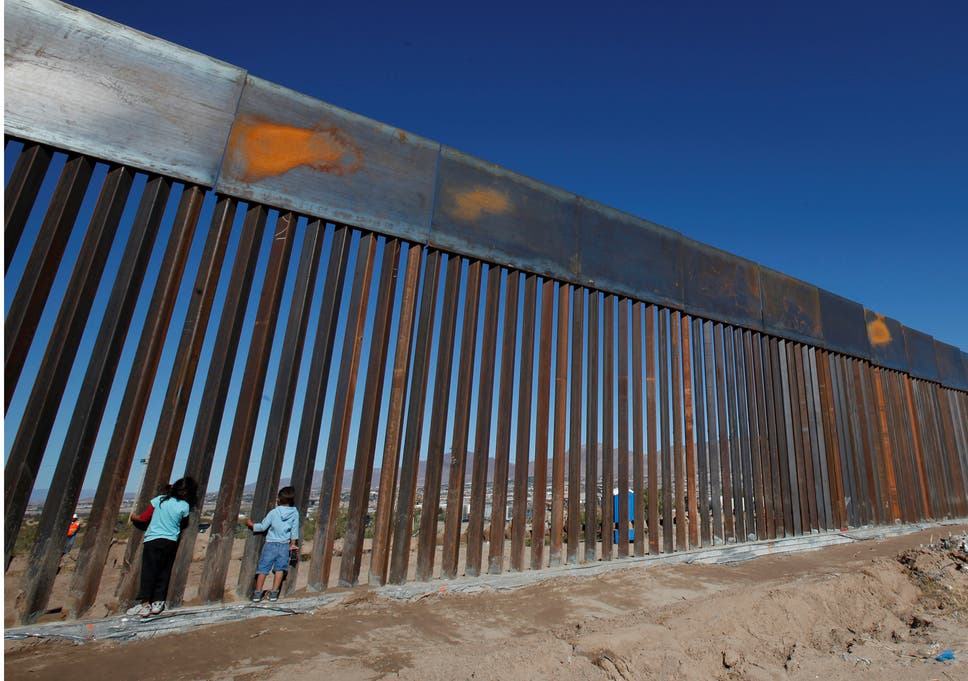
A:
(865, 610)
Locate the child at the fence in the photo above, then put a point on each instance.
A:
(165, 517)
(281, 526)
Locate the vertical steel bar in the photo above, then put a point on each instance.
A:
(27, 305)
(665, 434)
(638, 446)
(623, 428)
(691, 505)
(722, 438)
(427, 542)
(653, 439)
(37, 422)
(918, 451)
(65, 487)
(801, 437)
(284, 395)
(703, 503)
(773, 438)
(350, 561)
(835, 478)
(736, 451)
(712, 429)
(679, 511)
(505, 407)
(482, 434)
(808, 489)
(791, 456)
(574, 430)
(746, 455)
(523, 445)
(458, 450)
(951, 447)
(131, 414)
(608, 427)
(864, 413)
(752, 400)
(542, 409)
(416, 408)
(887, 459)
(823, 501)
(561, 407)
(783, 442)
(225, 519)
(382, 522)
(763, 399)
(595, 521)
(20, 193)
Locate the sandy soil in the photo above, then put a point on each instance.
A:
(870, 610)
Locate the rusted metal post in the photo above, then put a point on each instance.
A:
(522, 448)
(623, 428)
(722, 437)
(713, 439)
(561, 410)
(482, 433)
(458, 450)
(653, 431)
(692, 503)
(382, 522)
(462, 409)
(542, 419)
(678, 507)
(25, 180)
(703, 502)
(596, 523)
(608, 426)
(502, 451)
(574, 431)
(638, 434)
(666, 436)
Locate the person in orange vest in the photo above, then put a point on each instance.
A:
(72, 533)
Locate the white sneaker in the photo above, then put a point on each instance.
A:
(139, 610)
(156, 608)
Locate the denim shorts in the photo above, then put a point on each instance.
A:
(275, 558)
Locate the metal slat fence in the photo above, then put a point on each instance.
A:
(727, 434)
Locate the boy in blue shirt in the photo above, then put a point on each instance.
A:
(281, 526)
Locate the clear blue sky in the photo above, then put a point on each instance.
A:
(827, 140)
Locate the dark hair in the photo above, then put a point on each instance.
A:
(183, 489)
(287, 496)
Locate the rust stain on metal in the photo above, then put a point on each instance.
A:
(473, 203)
(261, 149)
(877, 331)
(402, 136)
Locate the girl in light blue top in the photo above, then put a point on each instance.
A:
(165, 516)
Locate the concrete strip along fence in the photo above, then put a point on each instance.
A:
(463, 346)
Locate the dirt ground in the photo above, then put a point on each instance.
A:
(868, 610)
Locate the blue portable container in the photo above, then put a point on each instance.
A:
(631, 517)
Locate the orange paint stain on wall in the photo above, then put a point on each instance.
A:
(877, 331)
(261, 149)
(471, 204)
